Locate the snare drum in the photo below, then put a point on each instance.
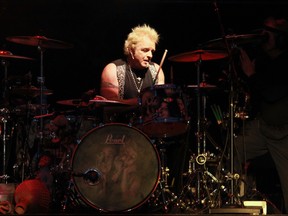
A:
(115, 168)
(164, 112)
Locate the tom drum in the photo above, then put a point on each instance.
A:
(164, 112)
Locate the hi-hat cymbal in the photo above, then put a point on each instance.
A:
(30, 91)
(243, 39)
(8, 55)
(198, 55)
(40, 41)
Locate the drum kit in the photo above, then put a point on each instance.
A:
(114, 166)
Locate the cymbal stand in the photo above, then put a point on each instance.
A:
(41, 81)
(199, 133)
(5, 64)
(197, 189)
(4, 120)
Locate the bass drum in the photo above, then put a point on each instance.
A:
(115, 168)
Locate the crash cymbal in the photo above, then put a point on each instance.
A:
(74, 102)
(197, 55)
(30, 91)
(237, 39)
(4, 54)
(40, 41)
(101, 101)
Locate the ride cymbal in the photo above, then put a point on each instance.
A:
(8, 55)
(243, 39)
(40, 41)
(198, 55)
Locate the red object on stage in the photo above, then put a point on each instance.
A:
(32, 196)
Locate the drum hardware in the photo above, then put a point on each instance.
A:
(197, 196)
(165, 197)
(30, 91)
(69, 197)
(101, 101)
(202, 86)
(201, 133)
(21, 166)
(5, 137)
(199, 179)
(39, 41)
(42, 43)
(5, 112)
(97, 101)
(5, 56)
(163, 112)
(78, 103)
(229, 44)
(242, 100)
(199, 55)
(241, 39)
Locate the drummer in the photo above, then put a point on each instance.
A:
(128, 79)
(125, 78)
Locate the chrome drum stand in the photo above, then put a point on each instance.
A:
(4, 137)
(163, 198)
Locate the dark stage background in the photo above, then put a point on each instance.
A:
(97, 29)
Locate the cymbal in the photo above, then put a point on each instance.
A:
(101, 101)
(200, 54)
(96, 101)
(74, 102)
(243, 39)
(40, 41)
(32, 107)
(7, 54)
(30, 91)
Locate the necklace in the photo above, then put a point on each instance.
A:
(138, 84)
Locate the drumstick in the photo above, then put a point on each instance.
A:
(160, 66)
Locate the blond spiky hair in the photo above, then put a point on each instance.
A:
(136, 35)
